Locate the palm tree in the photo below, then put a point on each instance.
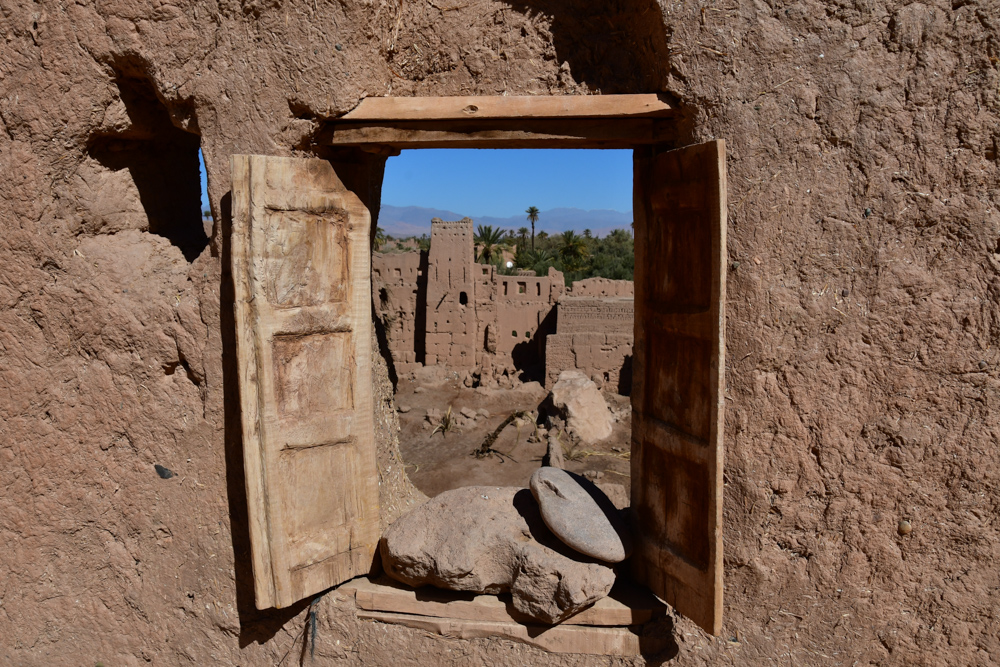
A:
(380, 238)
(619, 236)
(523, 234)
(587, 234)
(532, 212)
(491, 243)
(573, 250)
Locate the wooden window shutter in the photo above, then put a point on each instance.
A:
(300, 264)
(678, 376)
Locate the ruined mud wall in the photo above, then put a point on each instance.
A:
(602, 287)
(593, 335)
(451, 318)
(399, 291)
(862, 311)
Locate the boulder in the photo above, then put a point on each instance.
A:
(468, 413)
(489, 539)
(580, 515)
(583, 406)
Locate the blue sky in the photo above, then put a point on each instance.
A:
(204, 181)
(502, 183)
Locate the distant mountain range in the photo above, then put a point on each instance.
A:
(403, 221)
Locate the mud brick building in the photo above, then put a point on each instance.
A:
(443, 308)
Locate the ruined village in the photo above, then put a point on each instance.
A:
(246, 433)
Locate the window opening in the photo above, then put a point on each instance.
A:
(691, 164)
(160, 168)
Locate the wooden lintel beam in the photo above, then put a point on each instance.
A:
(497, 107)
(546, 133)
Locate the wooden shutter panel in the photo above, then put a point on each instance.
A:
(300, 264)
(678, 376)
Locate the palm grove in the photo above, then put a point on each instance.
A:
(578, 256)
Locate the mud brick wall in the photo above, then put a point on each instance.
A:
(451, 323)
(602, 287)
(863, 326)
(593, 335)
(397, 279)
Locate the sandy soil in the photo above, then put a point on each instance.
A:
(436, 462)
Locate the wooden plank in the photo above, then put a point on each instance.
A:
(678, 376)
(579, 639)
(520, 107)
(546, 133)
(626, 605)
(691, 325)
(300, 263)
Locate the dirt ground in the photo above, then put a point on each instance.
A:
(436, 461)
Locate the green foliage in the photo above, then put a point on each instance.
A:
(580, 257)
(380, 238)
(573, 251)
(491, 244)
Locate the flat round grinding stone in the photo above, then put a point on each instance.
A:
(580, 515)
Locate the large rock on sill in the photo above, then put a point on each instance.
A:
(489, 539)
(583, 407)
(580, 515)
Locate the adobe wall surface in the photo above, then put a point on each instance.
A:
(594, 335)
(863, 324)
(602, 287)
(451, 331)
(397, 279)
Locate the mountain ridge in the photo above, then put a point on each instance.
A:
(403, 221)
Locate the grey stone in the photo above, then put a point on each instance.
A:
(468, 413)
(580, 515)
(483, 412)
(404, 408)
(585, 410)
(491, 539)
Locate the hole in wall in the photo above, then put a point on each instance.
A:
(163, 162)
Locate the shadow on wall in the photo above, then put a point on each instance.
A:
(162, 161)
(625, 377)
(529, 356)
(617, 47)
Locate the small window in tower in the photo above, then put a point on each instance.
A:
(527, 334)
(463, 298)
(505, 288)
(513, 334)
(485, 271)
(522, 287)
(538, 288)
